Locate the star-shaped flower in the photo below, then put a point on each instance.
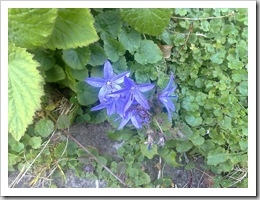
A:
(109, 83)
(132, 92)
(164, 97)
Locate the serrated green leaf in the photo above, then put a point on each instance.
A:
(73, 28)
(193, 121)
(205, 26)
(86, 94)
(151, 21)
(56, 73)
(108, 23)
(149, 153)
(13, 159)
(98, 116)
(44, 127)
(24, 82)
(148, 52)
(35, 142)
(13, 145)
(113, 49)
(72, 148)
(30, 27)
(76, 58)
(130, 39)
(179, 40)
(80, 75)
(217, 156)
(120, 65)
(63, 122)
(225, 123)
(180, 11)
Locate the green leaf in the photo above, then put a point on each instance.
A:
(35, 142)
(148, 153)
(24, 82)
(76, 58)
(108, 23)
(130, 39)
(179, 40)
(170, 159)
(148, 52)
(44, 127)
(98, 55)
(113, 49)
(86, 94)
(243, 88)
(240, 75)
(151, 21)
(30, 27)
(55, 74)
(184, 146)
(14, 145)
(193, 121)
(225, 123)
(63, 122)
(72, 148)
(73, 28)
(120, 65)
(80, 75)
(45, 58)
(217, 156)
(13, 159)
(98, 116)
(243, 144)
(180, 11)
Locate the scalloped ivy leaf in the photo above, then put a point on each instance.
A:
(30, 27)
(44, 127)
(24, 82)
(130, 39)
(151, 21)
(45, 58)
(149, 153)
(56, 73)
(76, 58)
(148, 52)
(114, 49)
(98, 55)
(35, 142)
(86, 94)
(193, 121)
(73, 28)
(217, 156)
(108, 24)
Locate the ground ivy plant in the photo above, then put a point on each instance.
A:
(170, 81)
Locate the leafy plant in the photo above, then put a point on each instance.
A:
(74, 51)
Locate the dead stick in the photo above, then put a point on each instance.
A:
(105, 167)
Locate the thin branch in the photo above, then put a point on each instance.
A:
(95, 158)
(204, 18)
(190, 31)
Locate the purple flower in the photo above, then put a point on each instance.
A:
(164, 97)
(109, 83)
(132, 92)
(137, 114)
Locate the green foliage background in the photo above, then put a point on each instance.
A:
(208, 55)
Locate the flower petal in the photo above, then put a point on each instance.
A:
(129, 102)
(124, 122)
(128, 82)
(98, 107)
(170, 82)
(103, 92)
(145, 87)
(95, 82)
(120, 77)
(170, 105)
(135, 121)
(169, 113)
(108, 70)
(141, 99)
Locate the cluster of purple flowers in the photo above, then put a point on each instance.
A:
(128, 101)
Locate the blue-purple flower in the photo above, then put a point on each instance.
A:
(137, 114)
(165, 96)
(132, 92)
(110, 82)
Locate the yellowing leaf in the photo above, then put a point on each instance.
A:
(25, 87)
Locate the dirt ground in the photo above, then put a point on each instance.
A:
(94, 135)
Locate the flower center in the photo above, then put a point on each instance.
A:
(109, 83)
(133, 88)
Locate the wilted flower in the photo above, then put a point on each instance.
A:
(109, 83)
(164, 97)
(132, 92)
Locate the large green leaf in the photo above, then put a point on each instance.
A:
(98, 55)
(73, 28)
(25, 87)
(148, 52)
(86, 93)
(217, 156)
(114, 49)
(30, 27)
(151, 21)
(131, 40)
